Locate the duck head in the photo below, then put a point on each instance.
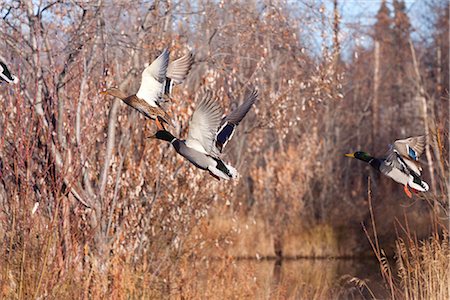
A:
(163, 135)
(361, 155)
(114, 92)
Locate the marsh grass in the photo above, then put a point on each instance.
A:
(244, 236)
(421, 268)
(33, 268)
(424, 267)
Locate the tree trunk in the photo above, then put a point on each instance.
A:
(376, 86)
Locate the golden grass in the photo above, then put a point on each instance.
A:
(199, 272)
(245, 236)
(235, 236)
(252, 279)
(424, 268)
(317, 241)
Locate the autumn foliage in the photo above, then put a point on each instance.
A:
(92, 208)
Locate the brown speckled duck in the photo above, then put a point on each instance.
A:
(157, 81)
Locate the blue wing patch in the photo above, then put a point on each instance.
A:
(224, 135)
(412, 153)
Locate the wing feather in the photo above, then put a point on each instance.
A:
(404, 154)
(178, 69)
(153, 78)
(239, 113)
(411, 148)
(158, 68)
(392, 160)
(204, 123)
(230, 122)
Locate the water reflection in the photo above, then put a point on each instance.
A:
(321, 277)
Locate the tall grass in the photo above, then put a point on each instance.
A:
(421, 268)
(424, 268)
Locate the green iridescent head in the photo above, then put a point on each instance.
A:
(361, 155)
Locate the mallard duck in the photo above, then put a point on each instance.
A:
(5, 74)
(401, 163)
(208, 135)
(157, 82)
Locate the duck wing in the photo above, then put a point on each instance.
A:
(410, 150)
(204, 123)
(177, 72)
(153, 78)
(394, 161)
(178, 69)
(404, 155)
(230, 122)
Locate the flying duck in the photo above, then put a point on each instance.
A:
(157, 82)
(401, 163)
(5, 74)
(208, 135)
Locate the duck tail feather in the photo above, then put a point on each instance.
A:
(232, 171)
(418, 184)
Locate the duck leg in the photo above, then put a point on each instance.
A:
(159, 125)
(407, 192)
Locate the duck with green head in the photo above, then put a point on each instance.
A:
(208, 134)
(400, 164)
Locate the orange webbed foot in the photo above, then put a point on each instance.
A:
(407, 192)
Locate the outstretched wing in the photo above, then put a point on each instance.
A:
(204, 123)
(153, 78)
(177, 72)
(411, 148)
(404, 155)
(230, 122)
(178, 69)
